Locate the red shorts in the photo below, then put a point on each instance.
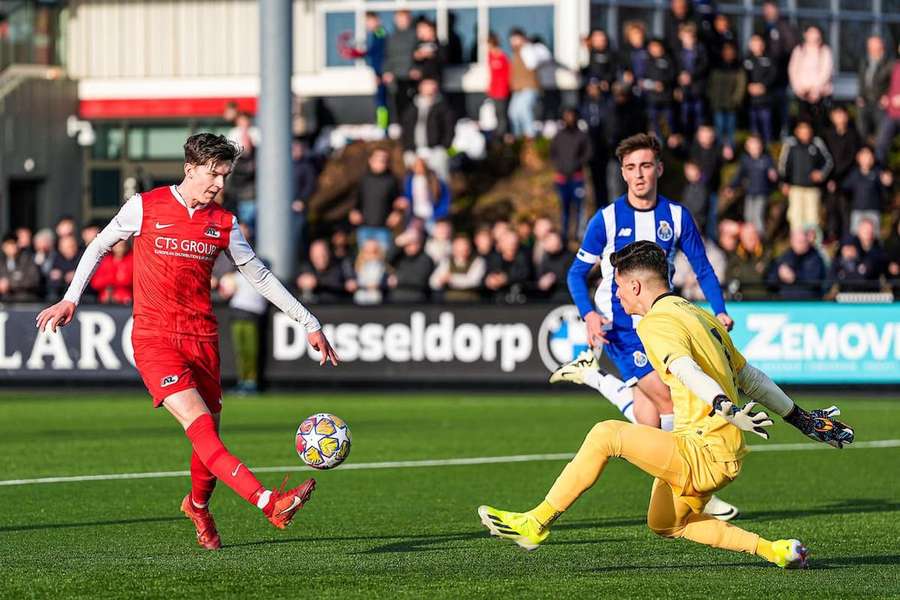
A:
(170, 364)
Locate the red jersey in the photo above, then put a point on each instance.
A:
(173, 260)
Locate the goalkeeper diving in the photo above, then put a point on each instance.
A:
(694, 355)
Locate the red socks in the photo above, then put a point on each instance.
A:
(203, 482)
(216, 458)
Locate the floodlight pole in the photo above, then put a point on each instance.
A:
(274, 183)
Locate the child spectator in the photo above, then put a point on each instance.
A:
(804, 165)
(761, 73)
(484, 242)
(429, 55)
(601, 66)
(371, 273)
(727, 84)
(867, 186)
(843, 142)
(693, 70)
(570, 150)
(460, 275)
(438, 246)
(799, 273)
(757, 176)
(498, 85)
(115, 274)
(429, 196)
(635, 59)
(657, 88)
(695, 194)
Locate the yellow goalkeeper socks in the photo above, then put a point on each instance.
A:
(545, 514)
(765, 550)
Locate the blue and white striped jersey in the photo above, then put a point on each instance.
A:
(668, 224)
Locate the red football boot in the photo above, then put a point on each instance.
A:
(283, 505)
(207, 536)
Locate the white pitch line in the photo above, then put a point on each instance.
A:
(409, 464)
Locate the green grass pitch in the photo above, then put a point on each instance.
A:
(413, 532)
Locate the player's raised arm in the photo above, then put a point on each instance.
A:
(692, 245)
(588, 255)
(244, 258)
(125, 224)
(816, 424)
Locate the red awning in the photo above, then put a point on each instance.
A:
(158, 108)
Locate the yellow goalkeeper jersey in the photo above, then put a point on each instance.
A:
(674, 327)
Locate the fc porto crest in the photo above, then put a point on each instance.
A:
(664, 231)
(640, 359)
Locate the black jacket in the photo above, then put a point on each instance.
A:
(695, 198)
(710, 162)
(23, 275)
(753, 174)
(602, 66)
(860, 274)
(798, 160)
(518, 271)
(843, 150)
(659, 70)
(809, 273)
(872, 89)
(432, 67)
(696, 63)
(781, 37)
(866, 191)
(761, 69)
(439, 125)
(305, 178)
(329, 283)
(412, 273)
(570, 150)
(375, 198)
(558, 264)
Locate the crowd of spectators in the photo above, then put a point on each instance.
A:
(755, 133)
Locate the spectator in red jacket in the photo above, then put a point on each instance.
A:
(114, 276)
(498, 86)
(891, 121)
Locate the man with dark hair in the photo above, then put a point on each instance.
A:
(640, 214)
(694, 355)
(20, 279)
(570, 152)
(781, 37)
(178, 233)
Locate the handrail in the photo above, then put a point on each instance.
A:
(16, 74)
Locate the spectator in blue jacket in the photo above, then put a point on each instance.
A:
(757, 176)
(799, 273)
(429, 196)
(374, 54)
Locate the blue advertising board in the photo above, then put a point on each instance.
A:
(820, 342)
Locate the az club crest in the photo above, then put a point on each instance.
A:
(664, 231)
(212, 232)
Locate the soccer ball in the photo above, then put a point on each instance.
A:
(323, 441)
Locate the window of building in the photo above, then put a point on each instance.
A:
(338, 25)
(110, 141)
(462, 35)
(157, 142)
(535, 21)
(106, 188)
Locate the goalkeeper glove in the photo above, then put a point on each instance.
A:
(742, 418)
